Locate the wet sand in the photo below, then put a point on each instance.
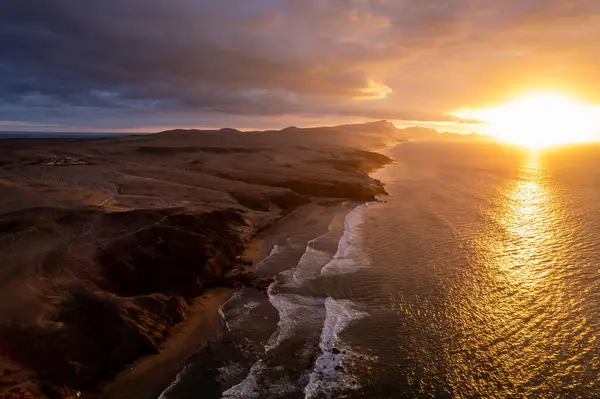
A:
(310, 220)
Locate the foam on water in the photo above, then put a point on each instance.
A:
(309, 315)
(318, 252)
(251, 305)
(272, 263)
(275, 250)
(230, 371)
(348, 258)
(329, 377)
(296, 312)
(249, 387)
(311, 263)
(273, 254)
(227, 320)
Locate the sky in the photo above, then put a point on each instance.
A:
(150, 65)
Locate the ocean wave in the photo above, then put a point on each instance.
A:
(248, 388)
(330, 376)
(295, 310)
(251, 386)
(311, 263)
(349, 257)
(272, 263)
(297, 313)
(231, 372)
(241, 309)
(264, 263)
(275, 250)
(310, 318)
(224, 309)
(319, 252)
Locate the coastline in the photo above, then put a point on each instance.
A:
(153, 375)
(331, 376)
(264, 378)
(305, 224)
(157, 220)
(310, 240)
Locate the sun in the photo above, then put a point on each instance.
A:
(539, 120)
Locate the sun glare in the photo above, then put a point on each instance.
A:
(539, 120)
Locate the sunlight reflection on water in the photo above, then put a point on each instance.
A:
(484, 279)
(533, 338)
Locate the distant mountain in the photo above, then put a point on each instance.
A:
(379, 133)
(368, 135)
(424, 133)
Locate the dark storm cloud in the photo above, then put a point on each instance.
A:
(62, 61)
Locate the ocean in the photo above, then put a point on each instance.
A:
(478, 276)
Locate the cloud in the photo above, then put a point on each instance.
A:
(106, 63)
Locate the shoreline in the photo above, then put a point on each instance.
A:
(178, 207)
(345, 209)
(304, 237)
(309, 221)
(153, 375)
(329, 376)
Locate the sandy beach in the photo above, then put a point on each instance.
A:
(311, 220)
